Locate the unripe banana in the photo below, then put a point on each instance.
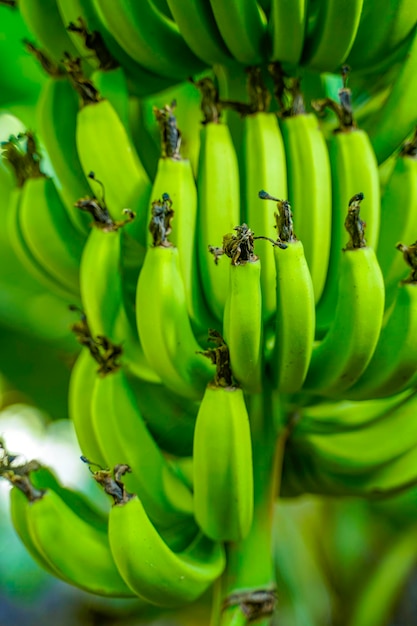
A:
(222, 454)
(339, 359)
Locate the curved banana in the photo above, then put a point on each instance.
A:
(197, 25)
(56, 115)
(69, 544)
(218, 200)
(174, 177)
(105, 148)
(103, 300)
(263, 167)
(164, 327)
(385, 136)
(310, 191)
(287, 26)
(242, 321)
(353, 168)
(376, 38)
(150, 567)
(49, 233)
(123, 437)
(339, 359)
(222, 467)
(150, 37)
(390, 371)
(295, 313)
(330, 417)
(398, 216)
(81, 386)
(243, 26)
(331, 37)
(44, 21)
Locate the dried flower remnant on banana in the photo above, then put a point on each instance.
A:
(111, 481)
(22, 153)
(94, 41)
(410, 257)
(19, 475)
(354, 225)
(82, 85)
(102, 350)
(170, 133)
(160, 225)
(343, 109)
(99, 211)
(50, 67)
(220, 357)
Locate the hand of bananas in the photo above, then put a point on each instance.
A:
(231, 213)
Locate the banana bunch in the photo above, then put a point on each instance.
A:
(167, 136)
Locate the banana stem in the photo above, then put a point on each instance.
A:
(246, 591)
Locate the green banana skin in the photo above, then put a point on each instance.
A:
(339, 359)
(264, 167)
(346, 415)
(398, 221)
(197, 25)
(151, 569)
(113, 86)
(18, 506)
(170, 418)
(287, 27)
(105, 148)
(164, 327)
(44, 21)
(24, 254)
(83, 376)
(124, 438)
(388, 373)
(243, 27)
(79, 551)
(218, 209)
(327, 46)
(353, 168)
(376, 38)
(56, 115)
(134, 29)
(222, 465)
(49, 233)
(242, 324)
(386, 580)
(359, 452)
(295, 318)
(385, 136)
(309, 191)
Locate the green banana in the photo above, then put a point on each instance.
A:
(385, 136)
(242, 321)
(81, 385)
(49, 233)
(332, 35)
(263, 167)
(218, 199)
(353, 167)
(309, 190)
(243, 27)
(197, 25)
(105, 148)
(295, 313)
(338, 360)
(69, 544)
(150, 37)
(222, 465)
(123, 437)
(162, 320)
(56, 115)
(45, 23)
(398, 216)
(150, 567)
(287, 25)
(377, 38)
(390, 372)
